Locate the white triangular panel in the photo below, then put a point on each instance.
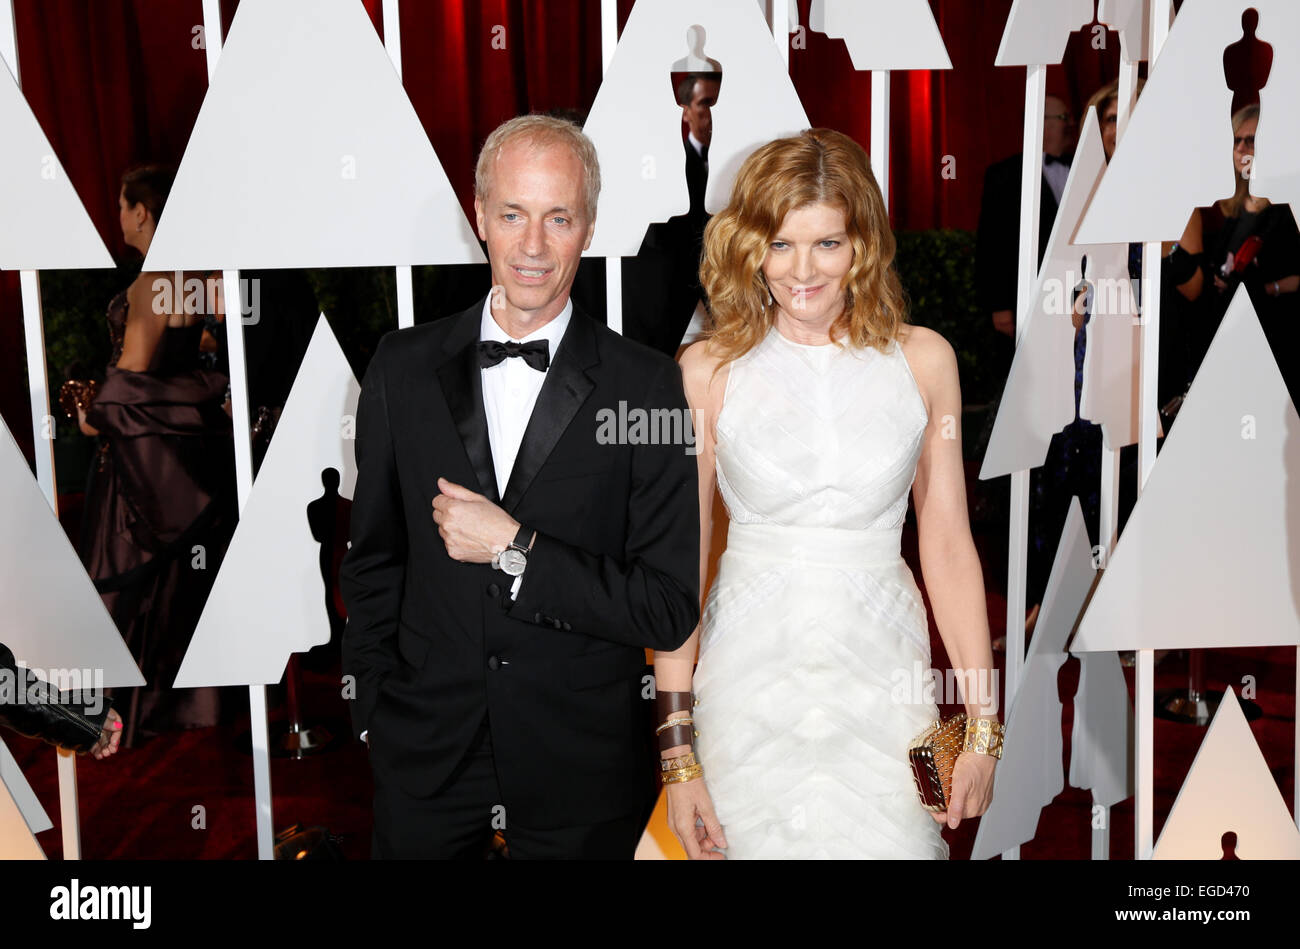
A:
(55, 232)
(1037, 31)
(23, 795)
(268, 600)
(883, 34)
(636, 125)
(54, 618)
(307, 153)
(1229, 788)
(17, 841)
(1211, 553)
(1176, 153)
(1101, 741)
(1131, 19)
(1030, 773)
(1038, 399)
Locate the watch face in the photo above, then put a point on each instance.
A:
(513, 561)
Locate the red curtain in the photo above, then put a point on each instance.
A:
(114, 82)
(469, 65)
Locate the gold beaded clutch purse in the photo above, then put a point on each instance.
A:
(932, 755)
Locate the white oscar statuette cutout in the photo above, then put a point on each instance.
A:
(636, 125)
(268, 600)
(1177, 152)
(1229, 788)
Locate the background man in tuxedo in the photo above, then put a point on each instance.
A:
(997, 241)
(661, 284)
(489, 698)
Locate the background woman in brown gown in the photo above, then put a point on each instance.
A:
(160, 497)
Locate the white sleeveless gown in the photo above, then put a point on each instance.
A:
(814, 632)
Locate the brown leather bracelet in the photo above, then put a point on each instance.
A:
(677, 735)
(665, 704)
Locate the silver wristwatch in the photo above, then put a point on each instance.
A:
(514, 558)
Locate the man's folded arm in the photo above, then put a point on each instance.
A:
(373, 570)
(650, 596)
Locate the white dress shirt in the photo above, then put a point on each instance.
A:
(695, 143)
(1057, 174)
(510, 389)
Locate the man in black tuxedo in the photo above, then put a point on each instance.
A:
(997, 241)
(661, 284)
(510, 561)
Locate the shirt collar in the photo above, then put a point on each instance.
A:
(695, 143)
(552, 332)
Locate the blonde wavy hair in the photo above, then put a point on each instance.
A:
(819, 165)
(1232, 207)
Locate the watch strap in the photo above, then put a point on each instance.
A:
(524, 539)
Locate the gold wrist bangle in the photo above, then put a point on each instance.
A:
(983, 737)
(682, 775)
(681, 761)
(673, 723)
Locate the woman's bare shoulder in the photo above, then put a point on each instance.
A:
(700, 361)
(704, 375)
(930, 357)
(922, 345)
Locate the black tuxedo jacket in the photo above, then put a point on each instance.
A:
(436, 645)
(997, 241)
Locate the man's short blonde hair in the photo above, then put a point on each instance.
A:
(541, 131)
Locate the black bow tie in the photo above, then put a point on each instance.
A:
(537, 353)
(1054, 160)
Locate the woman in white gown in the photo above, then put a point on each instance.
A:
(816, 409)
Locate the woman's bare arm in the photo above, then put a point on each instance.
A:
(674, 670)
(950, 564)
(690, 808)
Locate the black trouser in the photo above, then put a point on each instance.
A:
(458, 821)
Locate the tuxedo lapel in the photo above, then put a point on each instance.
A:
(462, 387)
(566, 387)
